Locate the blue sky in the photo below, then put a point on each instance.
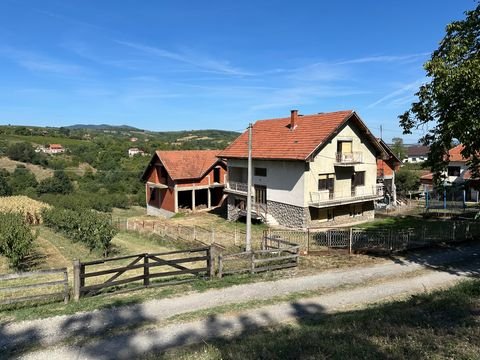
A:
(174, 65)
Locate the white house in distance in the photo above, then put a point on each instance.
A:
(306, 170)
(135, 151)
(416, 154)
(51, 149)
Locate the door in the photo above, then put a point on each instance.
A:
(260, 194)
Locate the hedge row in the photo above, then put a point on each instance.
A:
(16, 238)
(93, 229)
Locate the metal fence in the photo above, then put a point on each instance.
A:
(385, 240)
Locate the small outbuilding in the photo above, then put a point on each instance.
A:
(184, 179)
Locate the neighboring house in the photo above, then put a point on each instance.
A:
(186, 179)
(416, 154)
(135, 151)
(54, 149)
(386, 169)
(457, 175)
(133, 139)
(306, 170)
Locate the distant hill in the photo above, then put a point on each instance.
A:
(103, 127)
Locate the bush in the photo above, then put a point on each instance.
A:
(16, 238)
(93, 229)
(58, 184)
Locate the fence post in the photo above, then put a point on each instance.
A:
(350, 239)
(210, 263)
(220, 266)
(76, 279)
(146, 271)
(252, 262)
(65, 287)
(308, 240)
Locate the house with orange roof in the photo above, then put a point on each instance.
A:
(307, 169)
(456, 174)
(54, 149)
(184, 179)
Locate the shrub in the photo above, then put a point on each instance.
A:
(93, 229)
(16, 238)
(58, 184)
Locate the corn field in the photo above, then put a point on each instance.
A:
(29, 208)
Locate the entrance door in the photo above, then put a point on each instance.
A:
(260, 194)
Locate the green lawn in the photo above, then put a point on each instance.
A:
(441, 325)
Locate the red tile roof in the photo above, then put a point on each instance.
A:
(455, 154)
(56, 146)
(187, 164)
(273, 139)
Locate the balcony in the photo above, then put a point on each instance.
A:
(237, 187)
(348, 158)
(326, 198)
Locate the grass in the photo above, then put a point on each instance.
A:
(41, 140)
(440, 325)
(39, 172)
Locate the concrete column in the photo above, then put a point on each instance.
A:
(209, 199)
(193, 200)
(175, 198)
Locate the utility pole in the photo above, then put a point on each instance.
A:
(248, 240)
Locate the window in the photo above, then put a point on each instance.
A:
(358, 179)
(454, 171)
(260, 171)
(326, 182)
(344, 146)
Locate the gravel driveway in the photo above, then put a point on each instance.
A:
(53, 331)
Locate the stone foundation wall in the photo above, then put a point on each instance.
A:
(288, 215)
(232, 211)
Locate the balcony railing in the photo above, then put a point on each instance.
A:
(319, 198)
(237, 186)
(346, 158)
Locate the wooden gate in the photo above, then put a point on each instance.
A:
(172, 266)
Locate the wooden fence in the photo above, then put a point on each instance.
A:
(200, 235)
(46, 286)
(276, 254)
(139, 269)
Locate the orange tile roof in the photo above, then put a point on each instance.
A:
(56, 146)
(273, 139)
(187, 164)
(455, 154)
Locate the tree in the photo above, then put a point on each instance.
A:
(22, 179)
(449, 103)
(5, 188)
(407, 180)
(399, 148)
(16, 238)
(23, 152)
(58, 184)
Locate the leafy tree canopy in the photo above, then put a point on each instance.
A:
(450, 103)
(399, 148)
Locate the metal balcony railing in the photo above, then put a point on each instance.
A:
(326, 197)
(348, 157)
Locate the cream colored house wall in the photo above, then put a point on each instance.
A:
(284, 180)
(324, 163)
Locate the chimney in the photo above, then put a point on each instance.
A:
(293, 118)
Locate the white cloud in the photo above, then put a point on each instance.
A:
(199, 61)
(400, 95)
